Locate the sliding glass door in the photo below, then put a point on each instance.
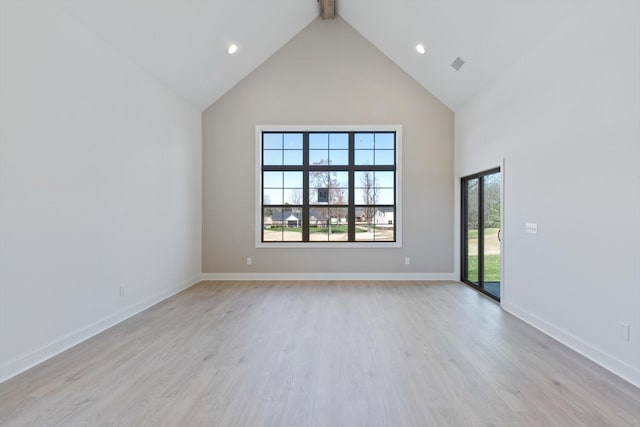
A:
(481, 253)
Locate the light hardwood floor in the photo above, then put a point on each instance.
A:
(321, 354)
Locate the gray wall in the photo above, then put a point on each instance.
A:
(327, 74)
(100, 178)
(565, 119)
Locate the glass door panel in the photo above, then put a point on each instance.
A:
(481, 233)
(491, 232)
(471, 194)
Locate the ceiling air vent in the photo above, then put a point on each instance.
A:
(328, 9)
(458, 63)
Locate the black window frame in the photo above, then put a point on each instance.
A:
(352, 206)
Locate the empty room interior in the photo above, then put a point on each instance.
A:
(319, 213)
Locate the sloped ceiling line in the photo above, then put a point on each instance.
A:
(183, 44)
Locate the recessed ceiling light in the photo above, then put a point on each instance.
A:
(233, 48)
(420, 48)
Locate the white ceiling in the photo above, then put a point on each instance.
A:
(182, 43)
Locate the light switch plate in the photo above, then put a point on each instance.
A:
(531, 228)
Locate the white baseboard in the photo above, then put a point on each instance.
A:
(602, 358)
(327, 276)
(57, 346)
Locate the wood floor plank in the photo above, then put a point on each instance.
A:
(352, 353)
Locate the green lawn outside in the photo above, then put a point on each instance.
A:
(491, 268)
(342, 228)
(473, 234)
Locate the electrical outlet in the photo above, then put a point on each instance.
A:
(249, 261)
(407, 261)
(623, 331)
(122, 290)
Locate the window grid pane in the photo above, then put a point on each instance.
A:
(328, 215)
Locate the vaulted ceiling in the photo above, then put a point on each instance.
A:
(183, 43)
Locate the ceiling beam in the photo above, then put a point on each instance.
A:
(328, 9)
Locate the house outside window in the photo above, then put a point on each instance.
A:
(319, 186)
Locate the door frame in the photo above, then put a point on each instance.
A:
(463, 230)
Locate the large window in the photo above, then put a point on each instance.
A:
(331, 187)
